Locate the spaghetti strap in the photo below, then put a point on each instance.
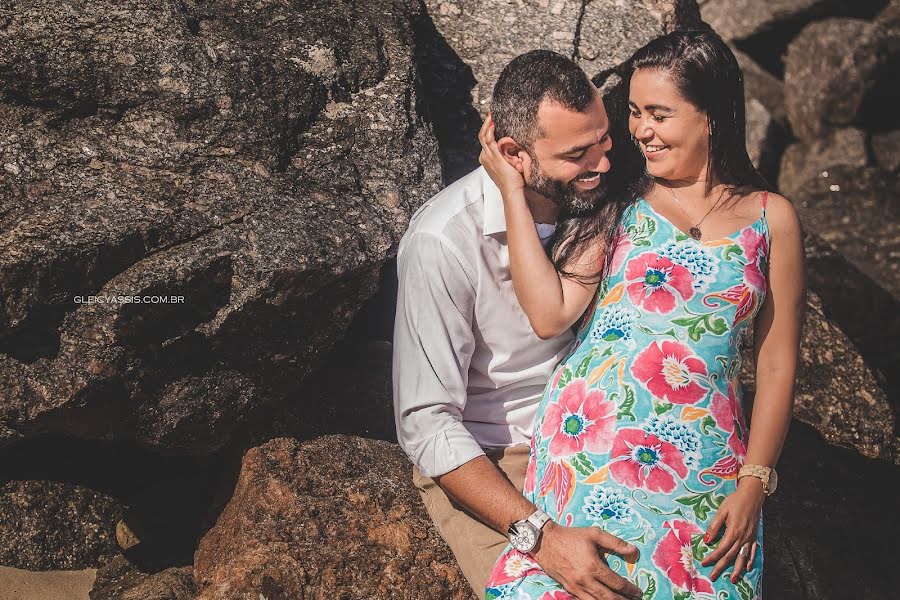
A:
(764, 199)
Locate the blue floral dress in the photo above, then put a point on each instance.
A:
(641, 430)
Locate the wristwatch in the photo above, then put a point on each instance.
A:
(767, 475)
(525, 534)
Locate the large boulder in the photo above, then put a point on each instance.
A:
(242, 170)
(840, 72)
(857, 210)
(333, 517)
(48, 525)
(806, 161)
(122, 580)
(470, 41)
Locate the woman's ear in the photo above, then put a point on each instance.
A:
(513, 152)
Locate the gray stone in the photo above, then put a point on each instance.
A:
(833, 69)
(741, 19)
(49, 525)
(886, 149)
(805, 161)
(762, 86)
(858, 212)
(258, 159)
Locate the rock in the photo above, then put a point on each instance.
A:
(470, 41)
(857, 211)
(765, 137)
(121, 580)
(334, 517)
(741, 19)
(820, 487)
(49, 525)
(246, 167)
(862, 309)
(837, 393)
(886, 149)
(805, 161)
(767, 89)
(837, 72)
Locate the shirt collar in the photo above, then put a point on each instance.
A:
(494, 217)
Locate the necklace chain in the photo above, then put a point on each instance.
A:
(695, 231)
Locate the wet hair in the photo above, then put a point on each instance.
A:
(528, 80)
(706, 74)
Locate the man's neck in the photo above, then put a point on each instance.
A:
(543, 210)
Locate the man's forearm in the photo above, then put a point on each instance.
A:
(484, 491)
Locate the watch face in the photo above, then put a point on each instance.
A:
(773, 481)
(524, 537)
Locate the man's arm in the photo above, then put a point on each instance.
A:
(433, 345)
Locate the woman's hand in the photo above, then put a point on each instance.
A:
(739, 513)
(506, 176)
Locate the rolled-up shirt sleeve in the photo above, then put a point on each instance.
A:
(433, 345)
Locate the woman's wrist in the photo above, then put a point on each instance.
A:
(751, 485)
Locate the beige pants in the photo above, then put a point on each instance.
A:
(475, 545)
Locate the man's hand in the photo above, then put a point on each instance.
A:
(573, 556)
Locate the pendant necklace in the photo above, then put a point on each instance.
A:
(695, 228)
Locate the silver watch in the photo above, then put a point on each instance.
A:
(524, 535)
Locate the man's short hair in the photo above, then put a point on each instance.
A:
(529, 79)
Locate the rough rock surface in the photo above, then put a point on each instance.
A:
(47, 525)
(767, 89)
(121, 580)
(742, 19)
(886, 148)
(805, 161)
(858, 212)
(470, 41)
(838, 73)
(334, 517)
(258, 158)
(837, 393)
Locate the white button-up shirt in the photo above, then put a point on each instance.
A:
(468, 369)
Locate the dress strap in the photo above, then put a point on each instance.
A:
(765, 198)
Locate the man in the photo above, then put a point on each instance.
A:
(469, 370)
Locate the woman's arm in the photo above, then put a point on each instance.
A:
(776, 352)
(552, 302)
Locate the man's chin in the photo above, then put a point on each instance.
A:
(575, 203)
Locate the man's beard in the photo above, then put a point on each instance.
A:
(570, 199)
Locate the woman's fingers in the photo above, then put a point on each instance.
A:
(726, 560)
(753, 553)
(712, 530)
(740, 563)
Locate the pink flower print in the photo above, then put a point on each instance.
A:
(579, 420)
(642, 460)
(730, 419)
(670, 370)
(512, 566)
(557, 595)
(655, 281)
(674, 556)
(622, 246)
(756, 249)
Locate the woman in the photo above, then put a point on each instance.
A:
(641, 430)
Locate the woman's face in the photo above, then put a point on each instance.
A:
(671, 132)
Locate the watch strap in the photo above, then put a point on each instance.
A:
(538, 518)
(760, 472)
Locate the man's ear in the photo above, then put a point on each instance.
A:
(513, 152)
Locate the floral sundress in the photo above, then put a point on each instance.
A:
(641, 430)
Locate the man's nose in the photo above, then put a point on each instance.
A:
(598, 161)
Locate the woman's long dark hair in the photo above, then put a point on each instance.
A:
(707, 75)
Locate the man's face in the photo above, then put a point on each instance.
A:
(570, 155)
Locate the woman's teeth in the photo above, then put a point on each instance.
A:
(589, 178)
(652, 149)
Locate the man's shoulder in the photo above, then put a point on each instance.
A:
(454, 211)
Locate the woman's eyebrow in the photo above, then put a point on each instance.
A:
(652, 106)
